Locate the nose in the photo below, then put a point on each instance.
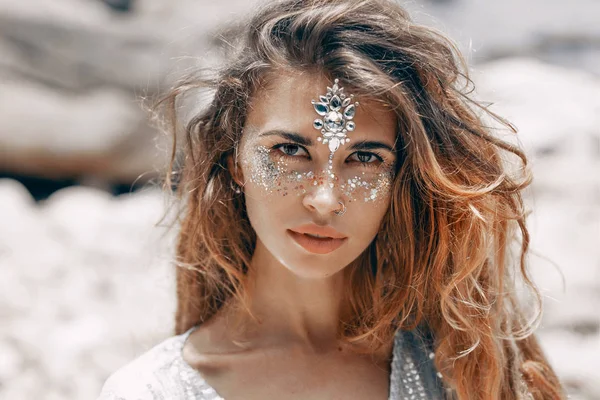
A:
(323, 200)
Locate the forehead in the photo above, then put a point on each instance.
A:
(285, 103)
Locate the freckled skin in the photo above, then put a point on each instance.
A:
(273, 167)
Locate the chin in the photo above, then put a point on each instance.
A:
(313, 266)
(312, 273)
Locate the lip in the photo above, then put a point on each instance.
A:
(314, 245)
(314, 229)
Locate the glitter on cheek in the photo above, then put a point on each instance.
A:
(264, 172)
(299, 180)
(366, 188)
(274, 176)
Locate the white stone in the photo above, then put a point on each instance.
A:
(334, 144)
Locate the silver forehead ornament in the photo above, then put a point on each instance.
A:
(337, 110)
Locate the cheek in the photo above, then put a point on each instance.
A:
(369, 197)
(367, 213)
(260, 169)
(367, 187)
(275, 176)
(268, 175)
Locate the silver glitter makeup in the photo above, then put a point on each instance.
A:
(368, 189)
(275, 175)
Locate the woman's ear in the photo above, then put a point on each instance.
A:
(235, 170)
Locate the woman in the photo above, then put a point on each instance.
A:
(347, 224)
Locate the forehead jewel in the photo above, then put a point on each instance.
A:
(336, 110)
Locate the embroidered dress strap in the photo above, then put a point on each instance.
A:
(194, 385)
(159, 374)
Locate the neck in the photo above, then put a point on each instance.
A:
(289, 309)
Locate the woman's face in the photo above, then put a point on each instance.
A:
(294, 183)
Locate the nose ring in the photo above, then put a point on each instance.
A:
(341, 212)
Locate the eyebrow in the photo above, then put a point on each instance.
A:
(293, 136)
(371, 145)
(362, 145)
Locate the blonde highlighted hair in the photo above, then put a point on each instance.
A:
(443, 254)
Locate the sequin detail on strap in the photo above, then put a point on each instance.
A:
(411, 381)
(413, 375)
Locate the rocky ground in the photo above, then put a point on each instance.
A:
(86, 278)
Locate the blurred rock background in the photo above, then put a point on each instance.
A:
(85, 276)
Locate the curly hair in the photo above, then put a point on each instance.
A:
(444, 253)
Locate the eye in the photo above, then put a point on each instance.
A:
(291, 150)
(365, 157)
